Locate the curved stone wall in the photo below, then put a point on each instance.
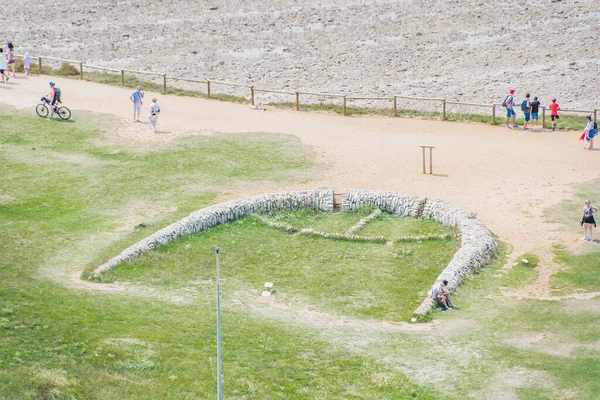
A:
(477, 244)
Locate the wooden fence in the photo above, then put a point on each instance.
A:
(443, 103)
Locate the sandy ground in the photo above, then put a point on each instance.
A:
(507, 177)
(466, 50)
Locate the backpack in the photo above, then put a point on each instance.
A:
(505, 100)
(524, 106)
(57, 95)
(595, 125)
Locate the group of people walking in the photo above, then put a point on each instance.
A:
(7, 63)
(531, 108)
(137, 98)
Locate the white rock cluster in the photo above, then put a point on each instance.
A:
(361, 224)
(221, 214)
(423, 237)
(477, 244)
(343, 236)
(278, 225)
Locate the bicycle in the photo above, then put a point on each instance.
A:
(42, 109)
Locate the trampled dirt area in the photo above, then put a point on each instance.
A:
(466, 50)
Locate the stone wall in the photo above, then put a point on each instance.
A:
(477, 244)
(221, 214)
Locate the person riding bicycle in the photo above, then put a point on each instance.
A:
(53, 97)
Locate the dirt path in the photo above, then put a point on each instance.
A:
(507, 177)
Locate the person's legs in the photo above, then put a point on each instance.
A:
(152, 119)
(526, 117)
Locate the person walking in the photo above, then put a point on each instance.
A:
(587, 221)
(589, 133)
(136, 98)
(11, 59)
(27, 63)
(535, 108)
(3, 62)
(508, 103)
(526, 108)
(153, 114)
(554, 107)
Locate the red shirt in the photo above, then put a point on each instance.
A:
(554, 107)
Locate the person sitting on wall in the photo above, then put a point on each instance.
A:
(441, 295)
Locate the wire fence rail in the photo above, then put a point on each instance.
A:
(253, 91)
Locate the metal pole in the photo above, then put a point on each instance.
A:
(395, 106)
(219, 372)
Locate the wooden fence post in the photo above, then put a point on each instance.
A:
(165, 83)
(39, 65)
(444, 110)
(122, 78)
(80, 71)
(543, 117)
(395, 106)
(344, 104)
(208, 89)
(493, 114)
(595, 114)
(252, 94)
(297, 101)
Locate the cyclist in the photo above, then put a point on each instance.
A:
(52, 98)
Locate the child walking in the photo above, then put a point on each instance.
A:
(27, 63)
(554, 107)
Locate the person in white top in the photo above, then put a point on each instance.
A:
(3, 62)
(589, 133)
(153, 114)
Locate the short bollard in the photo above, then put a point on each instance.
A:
(430, 158)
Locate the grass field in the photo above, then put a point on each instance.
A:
(71, 197)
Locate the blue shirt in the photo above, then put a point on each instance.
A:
(137, 96)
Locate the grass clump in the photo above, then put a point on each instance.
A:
(581, 272)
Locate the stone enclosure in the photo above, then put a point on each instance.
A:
(476, 250)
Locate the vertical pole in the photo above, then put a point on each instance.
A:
(208, 89)
(595, 114)
(122, 78)
(344, 104)
(165, 82)
(444, 110)
(543, 117)
(431, 160)
(80, 71)
(219, 372)
(493, 114)
(395, 106)
(297, 101)
(252, 94)
(423, 159)
(39, 65)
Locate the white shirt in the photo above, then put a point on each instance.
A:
(3, 60)
(154, 108)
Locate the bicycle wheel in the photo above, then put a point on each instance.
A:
(41, 110)
(63, 113)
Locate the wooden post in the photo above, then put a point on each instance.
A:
(208, 89)
(344, 104)
(395, 106)
(80, 71)
(543, 117)
(444, 110)
(252, 94)
(39, 65)
(297, 101)
(595, 114)
(430, 158)
(122, 78)
(493, 114)
(165, 83)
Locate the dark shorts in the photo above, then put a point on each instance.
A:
(1, 71)
(554, 116)
(527, 116)
(534, 115)
(510, 112)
